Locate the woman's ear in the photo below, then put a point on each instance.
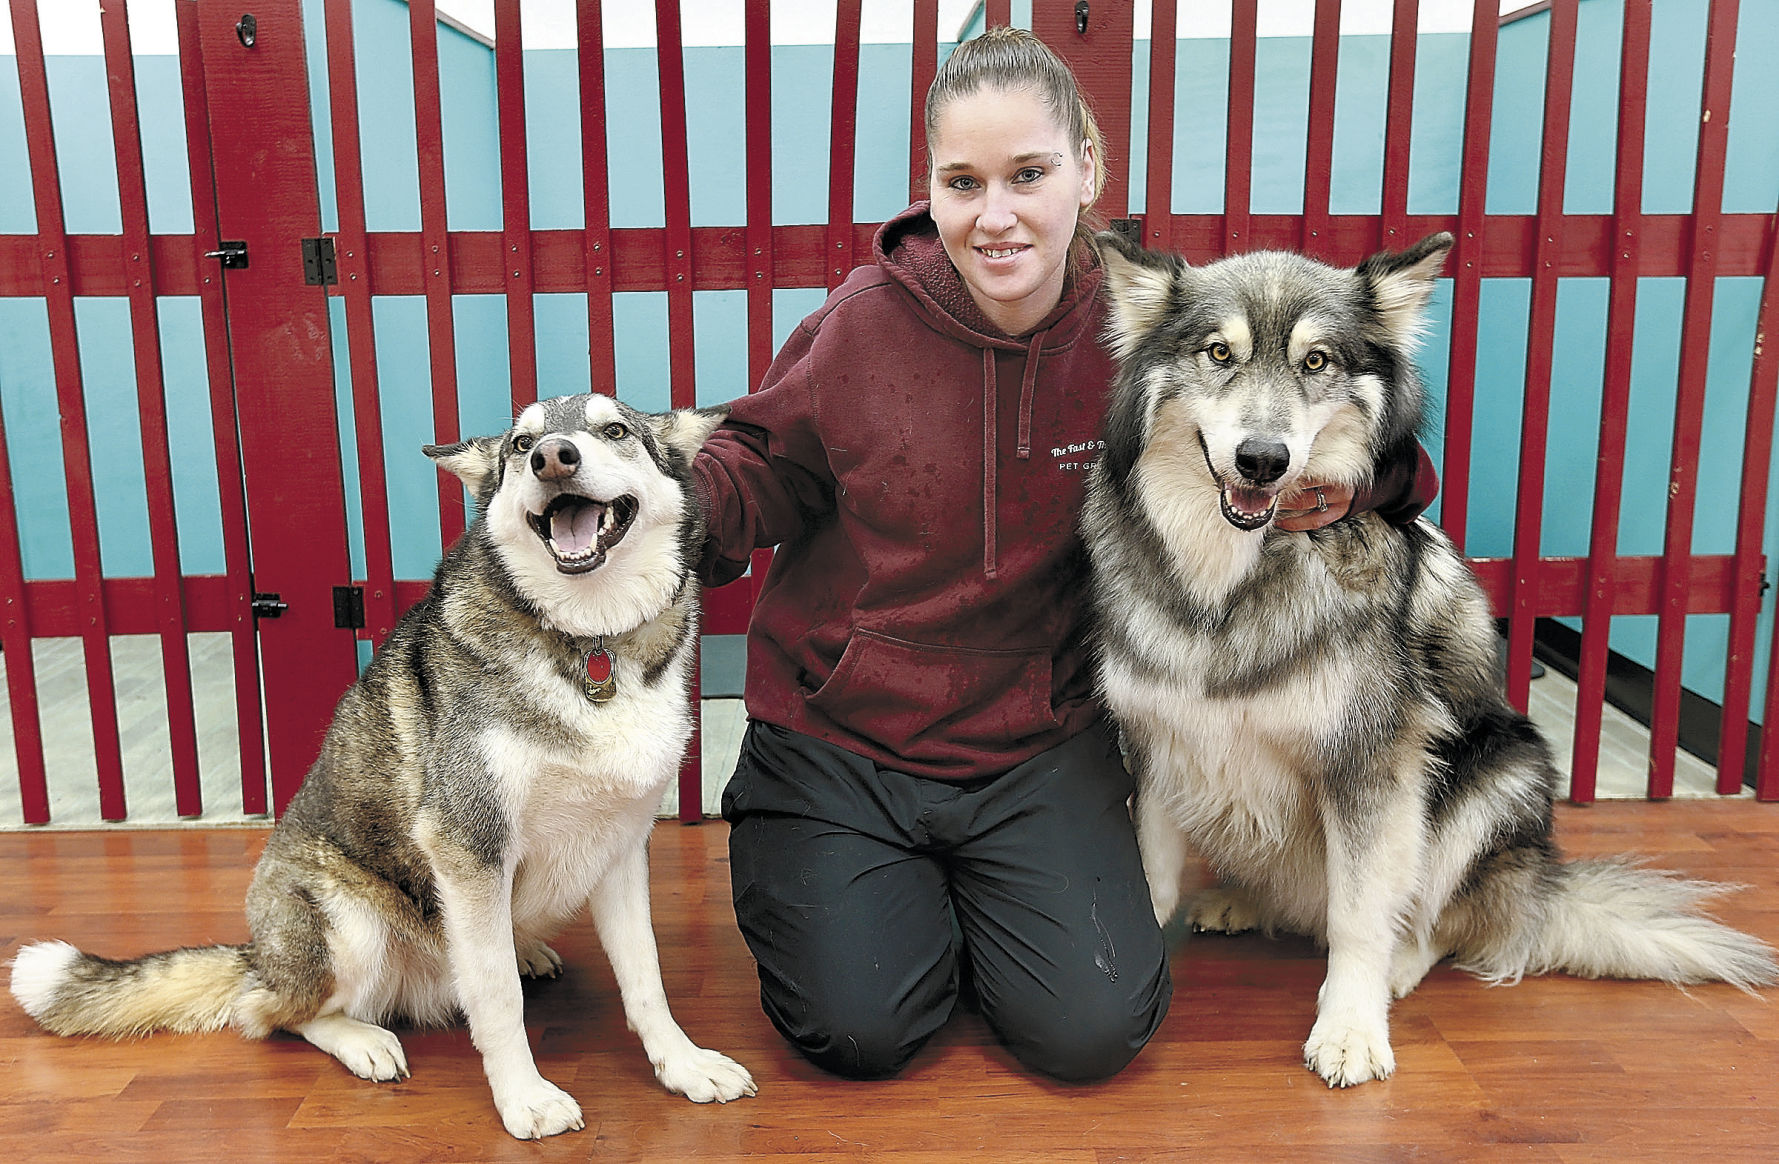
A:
(1090, 169)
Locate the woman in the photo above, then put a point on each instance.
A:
(929, 797)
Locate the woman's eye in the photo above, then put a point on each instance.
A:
(962, 183)
(615, 431)
(1220, 352)
(1029, 174)
(1315, 361)
(523, 442)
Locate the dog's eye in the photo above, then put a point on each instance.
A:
(523, 442)
(615, 431)
(1220, 352)
(1315, 361)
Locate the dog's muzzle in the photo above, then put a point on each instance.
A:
(1253, 500)
(579, 531)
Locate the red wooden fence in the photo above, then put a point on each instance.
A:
(270, 330)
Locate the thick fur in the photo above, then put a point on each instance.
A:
(1318, 714)
(470, 799)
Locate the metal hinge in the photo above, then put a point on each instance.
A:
(1130, 229)
(233, 254)
(269, 605)
(349, 607)
(318, 262)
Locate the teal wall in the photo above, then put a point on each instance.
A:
(801, 82)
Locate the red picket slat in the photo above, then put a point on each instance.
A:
(1239, 150)
(361, 342)
(1689, 410)
(678, 252)
(727, 609)
(677, 258)
(1318, 160)
(151, 398)
(52, 241)
(923, 66)
(1398, 122)
(231, 493)
(1467, 267)
(843, 132)
(15, 649)
(1528, 523)
(758, 235)
(1609, 470)
(441, 330)
(515, 201)
(1738, 681)
(596, 198)
(1158, 192)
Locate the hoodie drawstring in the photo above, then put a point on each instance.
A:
(1026, 384)
(1027, 389)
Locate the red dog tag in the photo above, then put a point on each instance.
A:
(600, 686)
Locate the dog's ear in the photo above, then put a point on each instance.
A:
(475, 461)
(1140, 285)
(1401, 283)
(685, 429)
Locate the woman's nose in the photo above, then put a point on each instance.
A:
(997, 213)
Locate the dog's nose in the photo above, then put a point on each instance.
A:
(1262, 461)
(555, 458)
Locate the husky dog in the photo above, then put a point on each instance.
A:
(1318, 714)
(495, 769)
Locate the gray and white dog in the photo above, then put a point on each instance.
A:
(494, 771)
(1318, 714)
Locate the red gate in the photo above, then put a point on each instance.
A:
(253, 182)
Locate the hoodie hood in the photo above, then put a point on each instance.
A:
(909, 251)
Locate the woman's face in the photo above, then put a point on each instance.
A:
(1007, 187)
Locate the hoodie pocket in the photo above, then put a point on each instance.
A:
(937, 704)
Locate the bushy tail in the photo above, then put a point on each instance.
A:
(1613, 919)
(72, 993)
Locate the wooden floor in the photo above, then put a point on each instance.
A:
(1551, 1069)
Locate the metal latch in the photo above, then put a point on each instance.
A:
(233, 254)
(318, 262)
(349, 607)
(269, 605)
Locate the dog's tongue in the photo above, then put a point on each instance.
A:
(575, 528)
(1249, 501)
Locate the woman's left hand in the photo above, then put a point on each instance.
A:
(1313, 506)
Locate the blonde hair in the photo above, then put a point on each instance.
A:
(1013, 59)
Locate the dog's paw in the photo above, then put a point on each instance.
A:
(537, 960)
(365, 1049)
(538, 1109)
(1344, 1055)
(1222, 910)
(705, 1076)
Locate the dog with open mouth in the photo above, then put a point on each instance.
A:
(1317, 714)
(494, 772)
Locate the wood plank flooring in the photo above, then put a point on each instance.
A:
(1553, 1069)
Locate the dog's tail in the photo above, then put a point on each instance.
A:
(71, 993)
(1611, 918)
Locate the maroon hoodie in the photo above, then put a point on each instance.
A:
(921, 473)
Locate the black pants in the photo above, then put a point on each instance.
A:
(853, 885)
